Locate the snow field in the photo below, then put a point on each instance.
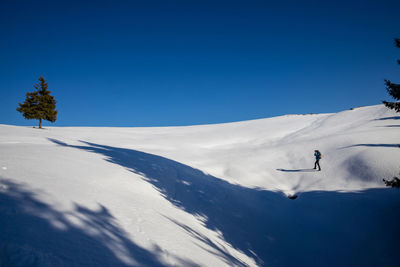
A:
(209, 195)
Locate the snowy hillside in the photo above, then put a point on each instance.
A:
(210, 195)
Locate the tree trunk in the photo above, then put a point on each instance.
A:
(40, 123)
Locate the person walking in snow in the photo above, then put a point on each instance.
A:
(317, 156)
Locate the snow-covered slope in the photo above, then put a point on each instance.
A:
(210, 195)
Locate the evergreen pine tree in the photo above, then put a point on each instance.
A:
(39, 105)
(393, 88)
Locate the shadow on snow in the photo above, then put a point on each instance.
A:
(32, 233)
(320, 228)
(389, 118)
(296, 170)
(374, 145)
(390, 126)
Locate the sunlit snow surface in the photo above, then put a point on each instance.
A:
(210, 195)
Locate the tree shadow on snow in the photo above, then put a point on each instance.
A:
(320, 228)
(32, 233)
(389, 118)
(389, 126)
(374, 145)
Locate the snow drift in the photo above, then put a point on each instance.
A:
(210, 195)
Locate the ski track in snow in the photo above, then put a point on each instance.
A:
(210, 195)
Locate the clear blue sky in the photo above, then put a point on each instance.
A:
(160, 63)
